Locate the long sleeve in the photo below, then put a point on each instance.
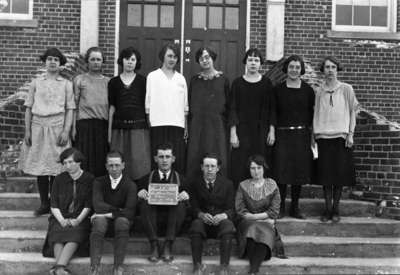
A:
(54, 202)
(233, 116)
(99, 205)
(270, 103)
(240, 204)
(227, 92)
(130, 204)
(273, 209)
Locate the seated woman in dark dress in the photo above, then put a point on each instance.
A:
(71, 197)
(257, 205)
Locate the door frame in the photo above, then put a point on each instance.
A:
(117, 32)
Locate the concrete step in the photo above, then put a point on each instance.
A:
(18, 184)
(306, 246)
(348, 227)
(310, 207)
(34, 263)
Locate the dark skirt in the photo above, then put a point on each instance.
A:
(335, 165)
(91, 140)
(58, 234)
(259, 231)
(173, 135)
(292, 156)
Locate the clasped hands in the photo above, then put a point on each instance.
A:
(182, 196)
(209, 219)
(69, 222)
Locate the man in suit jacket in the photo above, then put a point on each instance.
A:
(212, 200)
(170, 215)
(114, 202)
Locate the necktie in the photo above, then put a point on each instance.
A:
(164, 178)
(330, 99)
(71, 207)
(210, 186)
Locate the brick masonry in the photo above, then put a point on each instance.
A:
(373, 71)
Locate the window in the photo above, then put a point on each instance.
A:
(16, 9)
(364, 15)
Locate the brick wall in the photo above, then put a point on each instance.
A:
(374, 72)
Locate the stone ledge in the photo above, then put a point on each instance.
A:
(364, 35)
(19, 23)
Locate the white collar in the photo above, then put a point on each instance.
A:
(115, 182)
(162, 173)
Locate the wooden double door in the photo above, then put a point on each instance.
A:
(149, 24)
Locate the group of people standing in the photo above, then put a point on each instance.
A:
(157, 129)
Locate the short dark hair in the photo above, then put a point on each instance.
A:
(53, 52)
(211, 156)
(294, 58)
(164, 146)
(259, 160)
(253, 52)
(170, 46)
(115, 154)
(210, 51)
(77, 155)
(91, 50)
(127, 53)
(333, 60)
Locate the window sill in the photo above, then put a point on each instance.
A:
(24, 23)
(364, 35)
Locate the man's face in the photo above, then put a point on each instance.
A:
(210, 168)
(114, 167)
(164, 160)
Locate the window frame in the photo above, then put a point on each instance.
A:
(391, 28)
(19, 16)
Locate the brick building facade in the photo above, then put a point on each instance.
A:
(370, 63)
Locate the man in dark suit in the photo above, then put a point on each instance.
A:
(172, 216)
(212, 200)
(114, 202)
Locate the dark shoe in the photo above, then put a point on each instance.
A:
(325, 217)
(154, 256)
(42, 210)
(198, 269)
(166, 252)
(224, 270)
(295, 213)
(335, 218)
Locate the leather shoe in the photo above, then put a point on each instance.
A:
(166, 252)
(42, 210)
(335, 218)
(198, 269)
(295, 213)
(154, 252)
(325, 217)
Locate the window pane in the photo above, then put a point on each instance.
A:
(379, 16)
(232, 18)
(20, 6)
(199, 1)
(215, 18)
(167, 16)
(343, 15)
(150, 15)
(134, 15)
(6, 8)
(168, 1)
(361, 15)
(199, 17)
(232, 2)
(215, 1)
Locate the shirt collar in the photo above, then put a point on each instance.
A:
(58, 78)
(162, 173)
(115, 182)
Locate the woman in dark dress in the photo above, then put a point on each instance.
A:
(71, 198)
(128, 131)
(250, 115)
(334, 123)
(257, 204)
(208, 113)
(90, 131)
(294, 101)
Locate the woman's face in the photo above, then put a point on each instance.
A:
(294, 70)
(170, 59)
(205, 61)
(95, 61)
(253, 64)
(256, 171)
(330, 70)
(71, 166)
(52, 64)
(129, 64)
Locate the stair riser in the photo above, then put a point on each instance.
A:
(186, 268)
(182, 247)
(309, 208)
(39, 223)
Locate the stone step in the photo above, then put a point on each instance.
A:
(34, 263)
(18, 184)
(310, 207)
(348, 227)
(306, 246)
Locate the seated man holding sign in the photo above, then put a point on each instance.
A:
(162, 200)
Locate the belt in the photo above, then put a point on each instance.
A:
(292, 127)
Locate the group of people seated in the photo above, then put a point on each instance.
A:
(86, 209)
(210, 130)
